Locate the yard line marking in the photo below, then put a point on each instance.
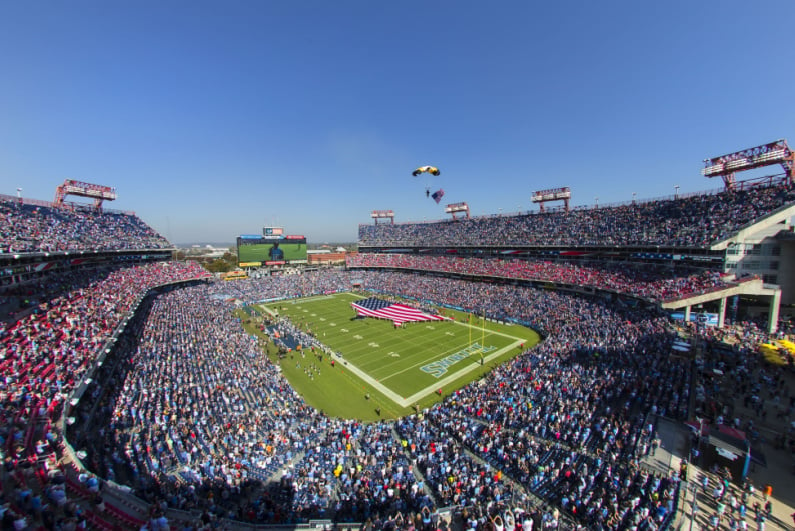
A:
(422, 361)
(406, 402)
(456, 375)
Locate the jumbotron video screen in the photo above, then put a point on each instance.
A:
(253, 251)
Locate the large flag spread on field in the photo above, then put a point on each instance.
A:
(398, 313)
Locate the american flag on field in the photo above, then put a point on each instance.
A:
(397, 313)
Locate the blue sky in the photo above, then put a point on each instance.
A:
(213, 119)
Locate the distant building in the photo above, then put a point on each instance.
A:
(325, 257)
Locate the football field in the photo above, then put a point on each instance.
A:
(410, 364)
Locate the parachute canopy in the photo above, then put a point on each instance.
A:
(433, 170)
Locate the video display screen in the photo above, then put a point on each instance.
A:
(271, 251)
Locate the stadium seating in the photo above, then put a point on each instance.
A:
(48, 352)
(31, 228)
(191, 416)
(322, 476)
(653, 283)
(695, 221)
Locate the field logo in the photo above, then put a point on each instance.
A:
(438, 368)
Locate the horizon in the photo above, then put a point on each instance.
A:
(640, 200)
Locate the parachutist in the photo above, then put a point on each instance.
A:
(433, 170)
(430, 170)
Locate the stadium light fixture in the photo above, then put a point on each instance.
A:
(713, 169)
(676, 194)
(771, 155)
(736, 163)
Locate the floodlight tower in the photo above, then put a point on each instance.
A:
(454, 208)
(726, 166)
(97, 192)
(553, 194)
(383, 214)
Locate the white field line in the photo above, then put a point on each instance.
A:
(456, 375)
(406, 402)
(267, 310)
(389, 393)
(420, 363)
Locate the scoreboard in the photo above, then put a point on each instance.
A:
(254, 250)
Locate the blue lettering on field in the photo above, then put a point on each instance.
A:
(439, 367)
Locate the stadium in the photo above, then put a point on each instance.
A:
(510, 370)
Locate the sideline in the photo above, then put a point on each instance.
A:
(430, 389)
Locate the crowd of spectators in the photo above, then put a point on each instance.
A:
(28, 228)
(195, 417)
(742, 391)
(654, 283)
(192, 415)
(45, 354)
(694, 221)
(200, 419)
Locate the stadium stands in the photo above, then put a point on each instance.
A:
(653, 283)
(40, 228)
(48, 352)
(177, 371)
(695, 221)
(191, 416)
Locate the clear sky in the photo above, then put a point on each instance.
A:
(213, 119)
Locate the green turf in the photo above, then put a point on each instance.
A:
(393, 358)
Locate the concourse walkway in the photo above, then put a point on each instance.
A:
(697, 505)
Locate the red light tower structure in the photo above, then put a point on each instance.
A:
(553, 194)
(383, 214)
(97, 192)
(726, 166)
(455, 208)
